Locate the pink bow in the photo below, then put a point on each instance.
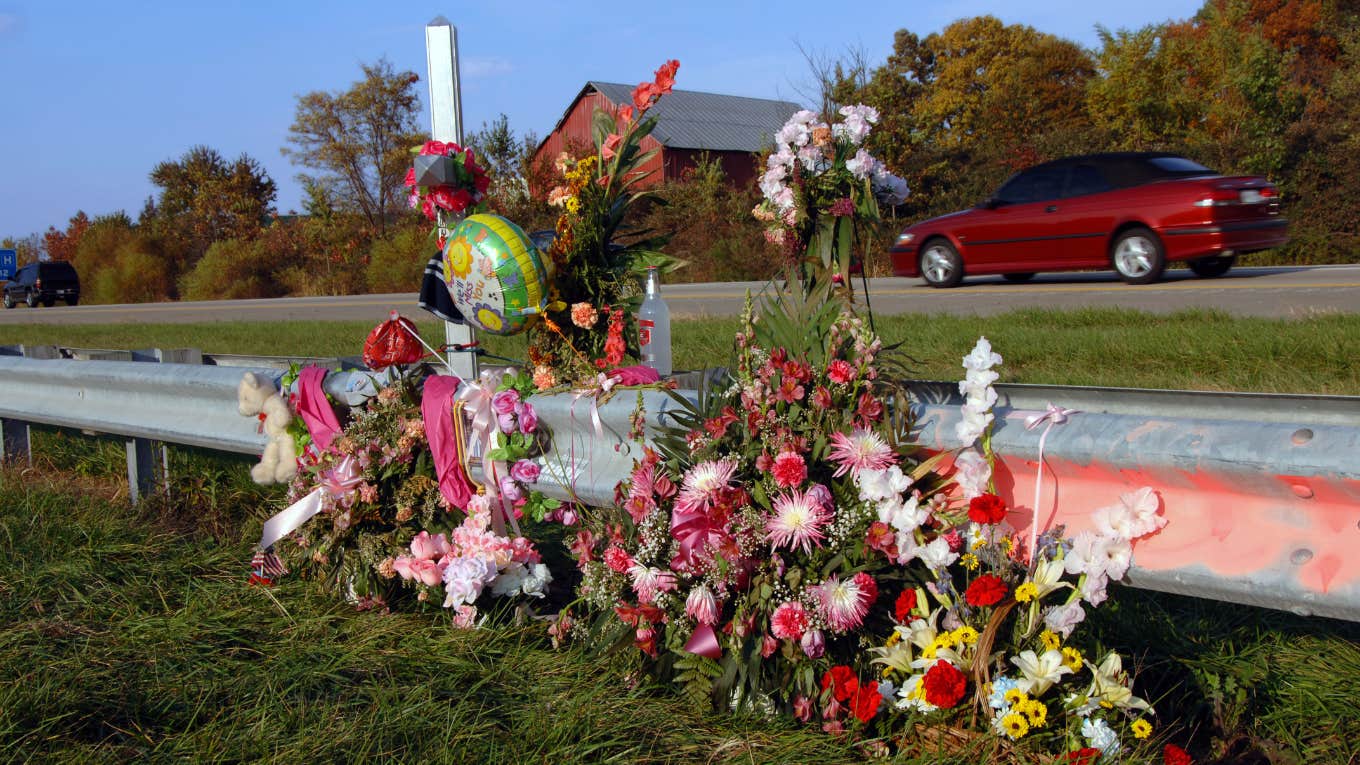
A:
(477, 397)
(692, 528)
(341, 480)
(1054, 415)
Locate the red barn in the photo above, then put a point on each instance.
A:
(730, 129)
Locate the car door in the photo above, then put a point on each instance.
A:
(1014, 231)
(1085, 216)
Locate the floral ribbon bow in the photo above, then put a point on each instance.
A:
(477, 397)
(340, 482)
(1053, 415)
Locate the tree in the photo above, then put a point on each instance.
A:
(359, 142)
(26, 249)
(509, 159)
(61, 245)
(204, 199)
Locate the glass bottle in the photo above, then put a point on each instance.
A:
(654, 327)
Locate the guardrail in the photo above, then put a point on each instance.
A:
(1262, 490)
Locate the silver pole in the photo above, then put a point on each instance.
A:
(446, 124)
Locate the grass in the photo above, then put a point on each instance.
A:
(1201, 350)
(130, 634)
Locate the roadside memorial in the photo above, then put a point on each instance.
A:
(782, 545)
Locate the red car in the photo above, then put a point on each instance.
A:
(1133, 212)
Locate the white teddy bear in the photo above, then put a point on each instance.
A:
(256, 395)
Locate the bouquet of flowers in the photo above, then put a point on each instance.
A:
(787, 550)
(385, 532)
(599, 257)
(823, 190)
(462, 193)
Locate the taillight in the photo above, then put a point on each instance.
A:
(1218, 198)
(37, 284)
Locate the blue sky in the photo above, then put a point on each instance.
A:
(93, 94)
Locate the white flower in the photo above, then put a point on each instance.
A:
(907, 548)
(937, 554)
(1111, 683)
(973, 473)
(1093, 588)
(981, 357)
(1064, 618)
(861, 165)
(1086, 555)
(1040, 671)
(1135, 516)
(888, 188)
(464, 579)
(911, 698)
(880, 485)
(1118, 558)
(1048, 576)
(1099, 735)
(904, 516)
(509, 581)
(536, 580)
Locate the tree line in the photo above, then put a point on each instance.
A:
(1266, 87)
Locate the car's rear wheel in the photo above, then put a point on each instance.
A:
(32, 300)
(72, 301)
(1138, 256)
(941, 265)
(9, 300)
(1214, 265)
(1021, 277)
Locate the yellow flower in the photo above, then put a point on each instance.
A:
(1007, 545)
(1050, 639)
(978, 544)
(1072, 658)
(892, 639)
(966, 635)
(1026, 592)
(944, 640)
(929, 651)
(1035, 711)
(1141, 728)
(970, 561)
(1016, 697)
(1015, 725)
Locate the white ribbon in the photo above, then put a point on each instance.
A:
(291, 518)
(1054, 415)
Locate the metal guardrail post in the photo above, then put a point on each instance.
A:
(148, 461)
(16, 439)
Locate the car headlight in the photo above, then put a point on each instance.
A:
(905, 238)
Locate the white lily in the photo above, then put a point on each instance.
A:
(1111, 683)
(1048, 576)
(1040, 671)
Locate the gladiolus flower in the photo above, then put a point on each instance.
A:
(610, 147)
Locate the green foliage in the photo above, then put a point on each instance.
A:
(397, 262)
(233, 269)
(137, 273)
(359, 140)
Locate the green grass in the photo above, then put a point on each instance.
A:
(1201, 350)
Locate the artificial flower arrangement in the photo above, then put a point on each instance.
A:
(822, 190)
(460, 194)
(598, 255)
(788, 550)
(386, 534)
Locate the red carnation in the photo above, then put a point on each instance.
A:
(842, 682)
(868, 588)
(1174, 755)
(944, 684)
(865, 705)
(986, 590)
(986, 508)
(1084, 756)
(905, 603)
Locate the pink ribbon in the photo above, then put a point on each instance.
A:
(436, 406)
(477, 397)
(1054, 415)
(342, 480)
(692, 529)
(704, 642)
(315, 410)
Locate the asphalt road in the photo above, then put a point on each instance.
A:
(1282, 292)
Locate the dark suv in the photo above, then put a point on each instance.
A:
(43, 283)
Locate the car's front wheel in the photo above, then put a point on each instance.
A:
(1214, 265)
(1138, 256)
(9, 300)
(941, 265)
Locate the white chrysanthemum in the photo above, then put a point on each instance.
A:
(797, 521)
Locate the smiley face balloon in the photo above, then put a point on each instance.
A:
(497, 278)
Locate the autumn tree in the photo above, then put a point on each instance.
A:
(509, 159)
(26, 249)
(61, 244)
(203, 199)
(358, 142)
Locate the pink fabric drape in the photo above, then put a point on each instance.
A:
(436, 405)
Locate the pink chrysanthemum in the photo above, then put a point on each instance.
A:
(701, 606)
(844, 603)
(789, 621)
(789, 470)
(703, 482)
(797, 521)
(648, 582)
(861, 450)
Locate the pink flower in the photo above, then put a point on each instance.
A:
(842, 207)
(528, 419)
(703, 483)
(504, 401)
(648, 582)
(840, 371)
(789, 621)
(768, 645)
(426, 572)
(610, 147)
(789, 469)
(861, 450)
(802, 708)
(701, 606)
(525, 470)
(813, 643)
(510, 489)
(617, 560)
(584, 315)
(465, 617)
(844, 603)
(797, 521)
(426, 547)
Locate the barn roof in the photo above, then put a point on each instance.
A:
(689, 119)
